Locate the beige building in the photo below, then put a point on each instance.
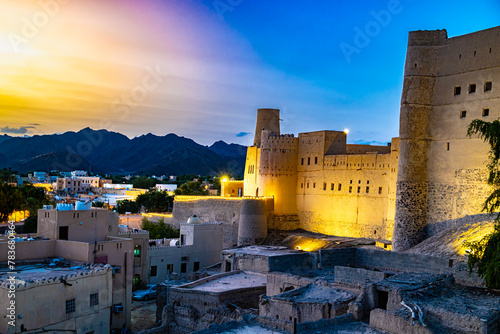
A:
(70, 185)
(54, 298)
(87, 236)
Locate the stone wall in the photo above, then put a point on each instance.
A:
(357, 276)
(219, 209)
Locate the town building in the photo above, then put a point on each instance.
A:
(90, 236)
(57, 295)
(199, 246)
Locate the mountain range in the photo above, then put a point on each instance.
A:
(102, 151)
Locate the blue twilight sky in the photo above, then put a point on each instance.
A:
(217, 61)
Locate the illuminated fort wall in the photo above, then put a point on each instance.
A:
(321, 184)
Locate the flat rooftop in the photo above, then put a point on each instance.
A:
(238, 280)
(29, 273)
(261, 250)
(316, 294)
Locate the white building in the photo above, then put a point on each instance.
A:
(166, 187)
(199, 246)
(78, 173)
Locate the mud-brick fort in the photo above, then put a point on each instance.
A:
(429, 178)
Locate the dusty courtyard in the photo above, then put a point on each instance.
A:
(143, 314)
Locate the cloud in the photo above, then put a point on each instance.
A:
(242, 134)
(20, 130)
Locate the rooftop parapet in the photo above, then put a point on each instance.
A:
(427, 37)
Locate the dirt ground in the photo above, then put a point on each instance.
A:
(143, 314)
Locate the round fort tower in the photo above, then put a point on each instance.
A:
(416, 107)
(252, 228)
(267, 119)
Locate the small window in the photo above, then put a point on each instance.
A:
(183, 239)
(196, 266)
(308, 161)
(332, 186)
(359, 181)
(367, 181)
(472, 88)
(170, 268)
(359, 190)
(314, 185)
(315, 160)
(367, 190)
(340, 187)
(94, 299)
(183, 268)
(458, 90)
(324, 185)
(351, 182)
(486, 112)
(463, 114)
(302, 161)
(70, 306)
(487, 86)
(308, 185)
(301, 185)
(153, 271)
(350, 189)
(137, 251)
(447, 146)
(380, 190)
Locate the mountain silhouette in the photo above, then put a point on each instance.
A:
(103, 151)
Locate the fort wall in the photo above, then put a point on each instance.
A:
(448, 83)
(227, 210)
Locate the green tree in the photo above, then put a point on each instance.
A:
(192, 188)
(156, 201)
(128, 206)
(485, 253)
(144, 182)
(11, 199)
(159, 230)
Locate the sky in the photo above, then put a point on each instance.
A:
(201, 69)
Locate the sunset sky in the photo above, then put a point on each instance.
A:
(201, 69)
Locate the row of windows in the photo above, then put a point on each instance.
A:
(47, 214)
(343, 163)
(71, 303)
(153, 270)
(339, 187)
(251, 169)
(309, 161)
(475, 53)
(472, 88)
(486, 112)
